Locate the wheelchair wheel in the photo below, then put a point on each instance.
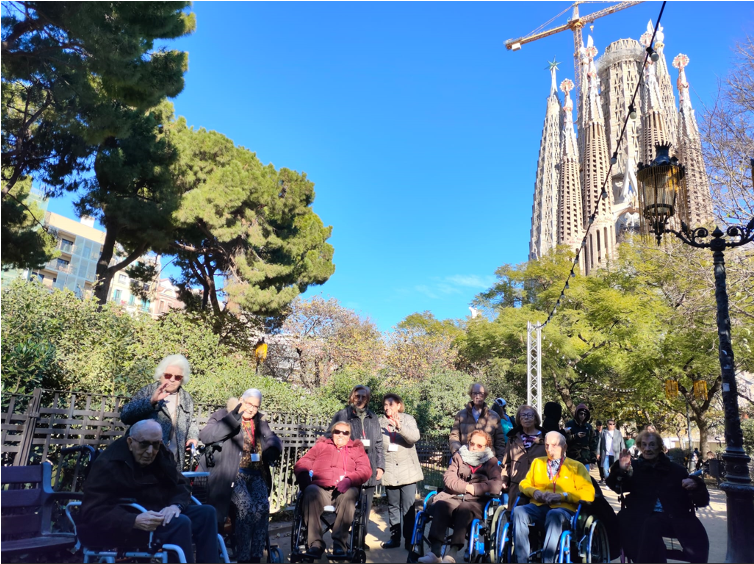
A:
(359, 556)
(275, 555)
(501, 536)
(418, 536)
(477, 543)
(598, 545)
(298, 533)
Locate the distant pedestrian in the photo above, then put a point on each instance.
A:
(611, 444)
(476, 416)
(598, 427)
(582, 440)
(553, 413)
(506, 423)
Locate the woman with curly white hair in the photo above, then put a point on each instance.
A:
(169, 404)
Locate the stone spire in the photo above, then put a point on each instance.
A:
(689, 151)
(655, 129)
(665, 82)
(596, 162)
(544, 210)
(570, 218)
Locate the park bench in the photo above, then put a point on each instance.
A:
(28, 505)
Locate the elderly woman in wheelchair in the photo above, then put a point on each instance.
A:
(473, 475)
(331, 473)
(556, 485)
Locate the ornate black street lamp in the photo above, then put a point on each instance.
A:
(663, 201)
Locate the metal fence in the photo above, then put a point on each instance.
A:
(36, 426)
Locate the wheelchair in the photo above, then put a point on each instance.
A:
(585, 541)
(355, 551)
(480, 541)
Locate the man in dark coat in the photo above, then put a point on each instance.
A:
(552, 414)
(476, 416)
(365, 427)
(582, 440)
(139, 467)
(660, 500)
(169, 404)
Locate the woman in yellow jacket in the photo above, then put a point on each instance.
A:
(555, 484)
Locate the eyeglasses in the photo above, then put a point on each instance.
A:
(146, 444)
(361, 396)
(478, 445)
(527, 415)
(474, 394)
(176, 377)
(339, 432)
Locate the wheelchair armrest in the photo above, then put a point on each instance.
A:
(426, 499)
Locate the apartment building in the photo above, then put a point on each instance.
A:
(80, 246)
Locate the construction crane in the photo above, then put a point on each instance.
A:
(576, 23)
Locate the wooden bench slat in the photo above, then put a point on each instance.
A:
(47, 542)
(20, 524)
(22, 498)
(21, 474)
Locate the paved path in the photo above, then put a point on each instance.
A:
(712, 517)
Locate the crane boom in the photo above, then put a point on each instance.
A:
(573, 23)
(576, 23)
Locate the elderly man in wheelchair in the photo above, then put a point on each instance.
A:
(139, 468)
(331, 473)
(556, 485)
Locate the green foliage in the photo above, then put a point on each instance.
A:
(25, 244)
(246, 222)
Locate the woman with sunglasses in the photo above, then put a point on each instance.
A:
(526, 441)
(331, 473)
(241, 474)
(169, 404)
(365, 426)
(473, 474)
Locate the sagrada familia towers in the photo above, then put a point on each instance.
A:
(575, 155)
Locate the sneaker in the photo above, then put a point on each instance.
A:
(448, 558)
(430, 558)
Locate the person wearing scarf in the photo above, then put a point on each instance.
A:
(555, 484)
(473, 474)
(526, 442)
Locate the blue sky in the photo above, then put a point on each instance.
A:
(419, 130)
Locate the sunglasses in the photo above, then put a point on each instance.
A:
(146, 444)
(478, 394)
(360, 396)
(339, 432)
(176, 377)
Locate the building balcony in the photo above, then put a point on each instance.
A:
(66, 248)
(56, 266)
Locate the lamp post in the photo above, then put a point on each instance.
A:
(663, 204)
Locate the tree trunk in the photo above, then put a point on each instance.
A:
(565, 394)
(103, 274)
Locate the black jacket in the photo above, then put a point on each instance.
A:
(371, 431)
(140, 408)
(645, 483)
(114, 476)
(583, 449)
(223, 429)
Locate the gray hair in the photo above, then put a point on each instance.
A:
(174, 360)
(561, 438)
(143, 425)
(252, 393)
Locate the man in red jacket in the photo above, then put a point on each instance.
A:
(331, 474)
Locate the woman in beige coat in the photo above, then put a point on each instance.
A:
(402, 469)
(525, 443)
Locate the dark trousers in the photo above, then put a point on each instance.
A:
(641, 536)
(369, 496)
(197, 523)
(400, 507)
(313, 503)
(453, 513)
